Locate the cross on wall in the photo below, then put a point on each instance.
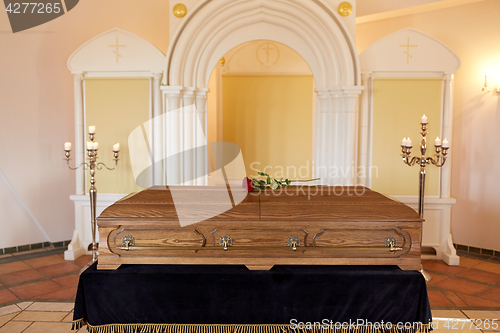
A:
(117, 46)
(408, 45)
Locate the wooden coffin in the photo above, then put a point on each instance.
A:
(299, 226)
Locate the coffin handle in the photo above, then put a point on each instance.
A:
(392, 244)
(225, 242)
(294, 242)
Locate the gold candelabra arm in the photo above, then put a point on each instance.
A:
(441, 154)
(406, 154)
(412, 161)
(100, 164)
(84, 165)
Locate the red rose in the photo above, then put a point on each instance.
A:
(248, 184)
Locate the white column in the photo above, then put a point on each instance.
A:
(158, 130)
(201, 158)
(369, 145)
(350, 136)
(188, 136)
(364, 129)
(446, 133)
(79, 134)
(173, 135)
(321, 136)
(336, 150)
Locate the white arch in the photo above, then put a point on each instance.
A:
(94, 55)
(311, 28)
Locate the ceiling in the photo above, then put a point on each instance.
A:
(369, 7)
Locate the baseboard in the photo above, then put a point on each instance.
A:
(477, 250)
(36, 246)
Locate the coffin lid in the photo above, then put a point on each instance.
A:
(297, 203)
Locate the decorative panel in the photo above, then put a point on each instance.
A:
(398, 104)
(116, 107)
(270, 118)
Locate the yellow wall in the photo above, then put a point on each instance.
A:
(398, 105)
(116, 107)
(270, 118)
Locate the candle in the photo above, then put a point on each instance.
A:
(424, 119)
(116, 147)
(446, 144)
(408, 142)
(90, 145)
(96, 146)
(403, 142)
(438, 141)
(67, 146)
(91, 129)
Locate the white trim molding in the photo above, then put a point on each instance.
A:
(413, 10)
(431, 58)
(312, 28)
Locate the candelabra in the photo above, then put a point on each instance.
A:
(422, 161)
(92, 165)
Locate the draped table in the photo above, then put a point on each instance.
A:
(231, 298)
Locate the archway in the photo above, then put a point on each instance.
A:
(262, 97)
(211, 29)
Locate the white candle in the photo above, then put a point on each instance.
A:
(90, 145)
(91, 129)
(408, 142)
(403, 142)
(96, 145)
(67, 146)
(438, 141)
(446, 144)
(116, 147)
(424, 119)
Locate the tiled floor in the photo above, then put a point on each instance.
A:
(37, 317)
(37, 291)
(474, 285)
(41, 274)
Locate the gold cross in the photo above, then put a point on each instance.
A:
(267, 50)
(116, 51)
(408, 56)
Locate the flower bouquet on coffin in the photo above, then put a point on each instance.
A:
(272, 183)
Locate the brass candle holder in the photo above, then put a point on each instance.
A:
(92, 165)
(423, 161)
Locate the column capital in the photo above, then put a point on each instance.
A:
(352, 90)
(171, 90)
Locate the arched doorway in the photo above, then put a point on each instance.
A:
(262, 97)
(211, 29)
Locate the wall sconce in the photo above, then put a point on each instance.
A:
(487, 88)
